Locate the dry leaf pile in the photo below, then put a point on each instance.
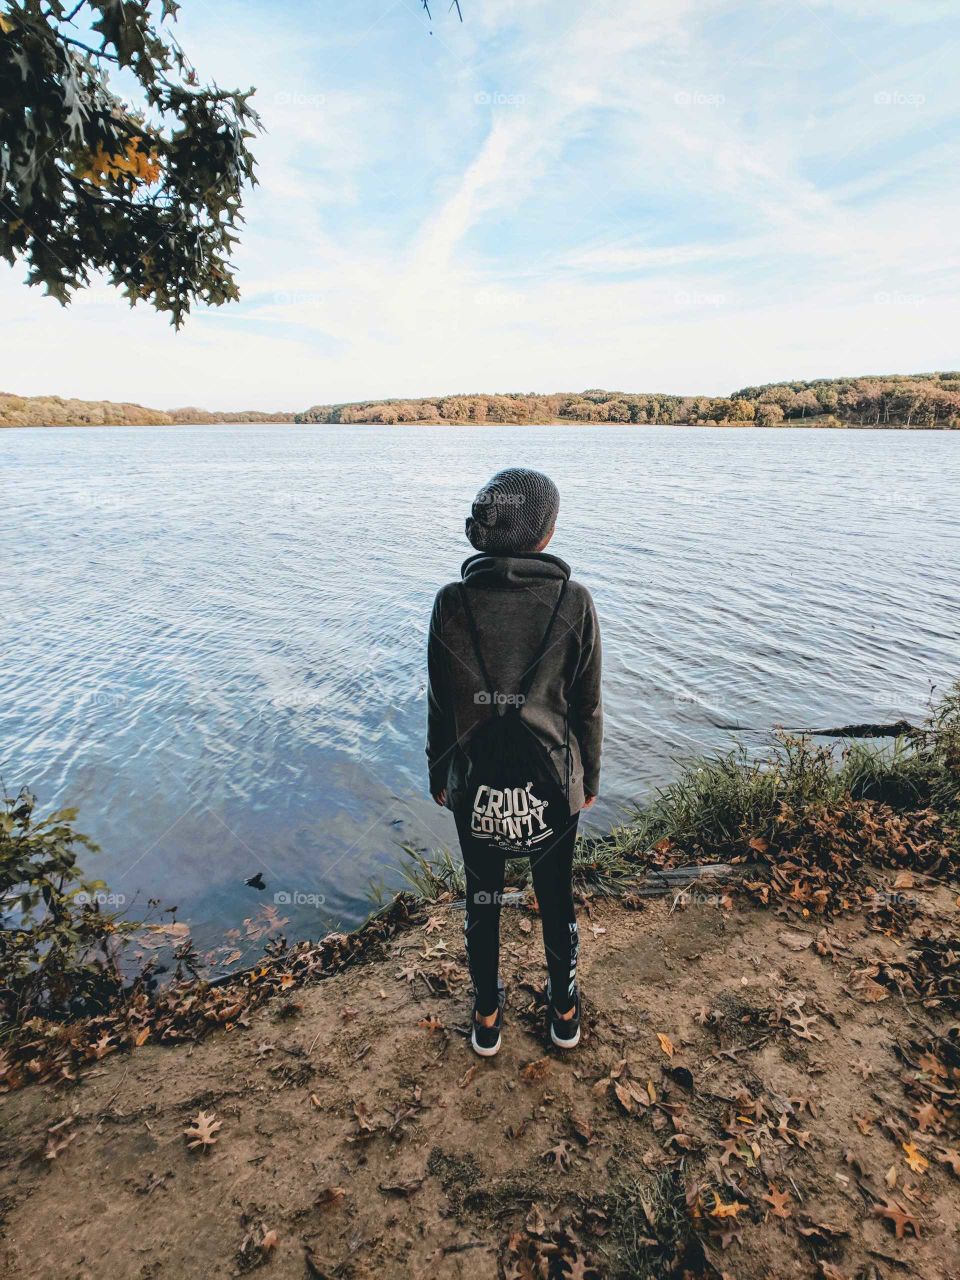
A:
(183, 1011)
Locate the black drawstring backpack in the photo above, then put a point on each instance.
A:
(503, 786)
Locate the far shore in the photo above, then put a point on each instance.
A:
(808, 425)
(900, 402)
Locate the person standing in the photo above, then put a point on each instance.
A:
(514, 733)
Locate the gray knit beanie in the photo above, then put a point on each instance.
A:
(513, 512)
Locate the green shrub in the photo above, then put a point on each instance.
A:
(58, 949)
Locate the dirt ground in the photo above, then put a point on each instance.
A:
(738, 1102)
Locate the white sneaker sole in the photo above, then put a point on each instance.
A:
(564, 1044)
(485, 1053)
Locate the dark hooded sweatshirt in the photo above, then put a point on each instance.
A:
(512, 598)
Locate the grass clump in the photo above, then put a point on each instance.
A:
(651, 1231)
(719, 804)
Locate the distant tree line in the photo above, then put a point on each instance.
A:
(901, 400)
(907, 400)
(53, 411)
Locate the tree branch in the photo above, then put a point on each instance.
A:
(97, 53)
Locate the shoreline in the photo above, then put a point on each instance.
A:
(710, 1121)
(768, 1081)
(489, 426)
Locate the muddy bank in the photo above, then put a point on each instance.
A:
(751, 1098)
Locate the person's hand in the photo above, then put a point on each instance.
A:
(441, 797)
(589, 801)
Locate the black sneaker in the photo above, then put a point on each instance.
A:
(564, 1032)
(486, 1040)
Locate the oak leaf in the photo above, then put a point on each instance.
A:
(779, 1202)
(560, 1155)
(927, 1116)
(724, 1210)
(898, 1216)
(202, 1130)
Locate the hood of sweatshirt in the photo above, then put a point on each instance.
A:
(517, 571)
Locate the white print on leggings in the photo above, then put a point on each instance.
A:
(512, 815)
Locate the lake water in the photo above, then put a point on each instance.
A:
(213, 638)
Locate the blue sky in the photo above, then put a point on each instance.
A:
(663, 195)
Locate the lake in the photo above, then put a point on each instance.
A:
(213, 638)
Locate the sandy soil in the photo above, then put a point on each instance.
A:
(360, 1137)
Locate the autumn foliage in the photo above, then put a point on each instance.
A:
(913, 400)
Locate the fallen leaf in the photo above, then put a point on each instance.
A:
(56, 1146)
(535, 1223)
(202, 1130)
(560, 1155)
(364, 1123)
(401, 1188)
(624, 1096)
(872, 992)
(927, 1117)
(829, 1272)
(932, 1065)
(330, 1195)
(582, 1128)
(779, 1202)
(898, 1216)
(724, 1210)
(666, 1044)
(914, 1159)
(535, 1071)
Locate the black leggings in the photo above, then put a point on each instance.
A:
(551, 868)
